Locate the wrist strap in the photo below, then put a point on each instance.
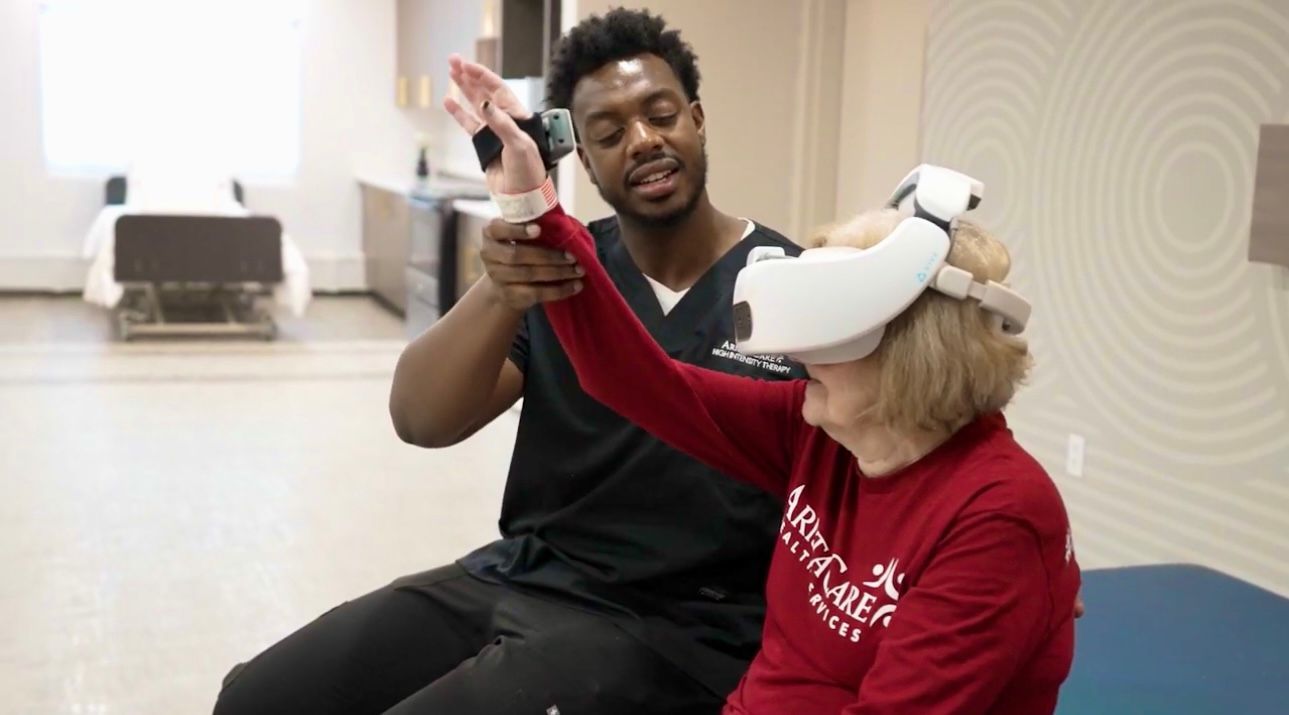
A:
(487, 145)
(522, 208)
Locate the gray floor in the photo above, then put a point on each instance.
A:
(68, 319)
(171, 508)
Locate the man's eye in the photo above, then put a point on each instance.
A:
(610, 139)
(663, 120)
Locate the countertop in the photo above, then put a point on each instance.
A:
(482, 208)
(438, 186)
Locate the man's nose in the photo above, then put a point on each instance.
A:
(643, 139)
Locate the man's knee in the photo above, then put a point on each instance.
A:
(365, 654)
(616, 671)
(571, 665)
(312, 668)
(224, 702)
(231, 675)
(229, 701)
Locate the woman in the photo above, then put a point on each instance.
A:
(924, 564)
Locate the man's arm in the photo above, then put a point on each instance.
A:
(455, 378)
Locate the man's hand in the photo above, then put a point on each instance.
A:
(522, 274)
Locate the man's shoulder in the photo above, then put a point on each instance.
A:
(604, 230)
(763, 235)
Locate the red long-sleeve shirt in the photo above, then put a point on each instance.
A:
(946, 587)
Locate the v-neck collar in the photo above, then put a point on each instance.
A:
(673, 330)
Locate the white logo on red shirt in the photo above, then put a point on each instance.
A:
(887, 581)
(845, 607)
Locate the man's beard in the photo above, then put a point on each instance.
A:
(672, 218)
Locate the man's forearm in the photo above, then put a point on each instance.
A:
(446, 377)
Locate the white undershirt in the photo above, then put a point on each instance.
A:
(668, 298)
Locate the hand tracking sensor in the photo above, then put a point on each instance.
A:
(831, 305)
(552, 130)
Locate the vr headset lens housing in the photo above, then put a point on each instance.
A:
(831, 305)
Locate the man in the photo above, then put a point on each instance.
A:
(628, 577)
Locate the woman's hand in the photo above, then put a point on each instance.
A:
(490, 101)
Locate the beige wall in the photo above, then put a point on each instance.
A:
(1117, 142)
(771, 79)
(881, 99)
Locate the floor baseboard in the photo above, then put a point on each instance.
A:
(66, 274)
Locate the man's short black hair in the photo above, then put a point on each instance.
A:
(619, 34)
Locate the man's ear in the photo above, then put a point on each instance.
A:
(586, 164)
(700, 120)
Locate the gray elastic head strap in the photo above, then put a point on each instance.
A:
(1012, 310)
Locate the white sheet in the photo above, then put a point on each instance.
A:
(293, 293)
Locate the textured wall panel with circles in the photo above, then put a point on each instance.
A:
(1117, 140)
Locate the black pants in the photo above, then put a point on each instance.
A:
(445, 642)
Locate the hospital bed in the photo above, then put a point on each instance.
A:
(205, 271)
(1178, 640)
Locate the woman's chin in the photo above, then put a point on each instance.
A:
(810, 414)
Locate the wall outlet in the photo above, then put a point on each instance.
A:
(1074, 455)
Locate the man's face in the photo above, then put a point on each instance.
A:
(641, 139)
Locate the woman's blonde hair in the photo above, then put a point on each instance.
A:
(943, 361)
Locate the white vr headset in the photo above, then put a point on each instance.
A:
(831, 305)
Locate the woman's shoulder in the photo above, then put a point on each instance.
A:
(1003, 478)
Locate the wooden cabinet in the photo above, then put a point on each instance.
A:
(418, 84)
(472, 217)
(387, 232)
(525, 37)
(430, 30)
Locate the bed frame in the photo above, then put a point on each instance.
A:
(196, 275)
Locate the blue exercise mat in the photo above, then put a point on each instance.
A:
(1178, 640)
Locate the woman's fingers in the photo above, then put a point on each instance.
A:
(470, 123)
(497, 90)
(479, 84)
(512, 137)
(471, 88)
